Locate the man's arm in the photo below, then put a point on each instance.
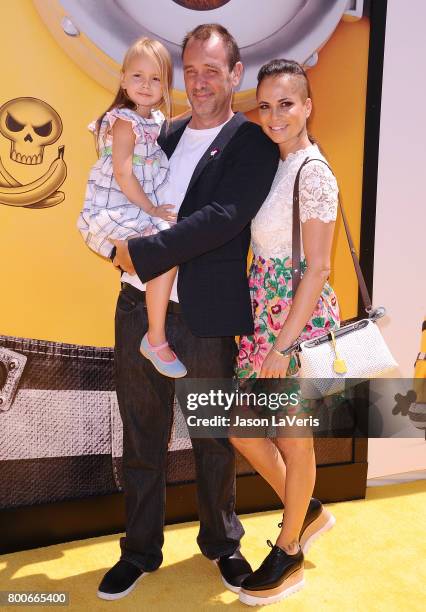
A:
(239, 195)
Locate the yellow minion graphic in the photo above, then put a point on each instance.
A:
(417, 412)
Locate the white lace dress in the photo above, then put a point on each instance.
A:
(270, 273)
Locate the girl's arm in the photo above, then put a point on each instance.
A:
(317, 239)
(123, 145)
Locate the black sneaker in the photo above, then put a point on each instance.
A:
(119, 581)
(279, 576)
(233, 568)
(318, 520)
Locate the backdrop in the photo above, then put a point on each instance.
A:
(60, 432)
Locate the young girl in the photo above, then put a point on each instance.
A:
(124, 191)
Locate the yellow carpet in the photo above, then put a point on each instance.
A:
(373, 559)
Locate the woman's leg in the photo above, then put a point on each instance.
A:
(299, 458)
(292, 478)
(157, 298)
(266, 459)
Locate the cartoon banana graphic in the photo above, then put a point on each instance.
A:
(6, 179)
(53, 200)
(37, 193)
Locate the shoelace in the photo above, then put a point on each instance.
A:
(274, 556)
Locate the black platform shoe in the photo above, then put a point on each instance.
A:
(318, 520)
(233, 568)
(279, 576)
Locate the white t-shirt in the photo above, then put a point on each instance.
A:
(190, 149)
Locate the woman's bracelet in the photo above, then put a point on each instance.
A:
(287, 351)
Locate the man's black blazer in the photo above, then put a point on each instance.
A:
(210, 241)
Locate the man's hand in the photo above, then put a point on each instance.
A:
(122, 257)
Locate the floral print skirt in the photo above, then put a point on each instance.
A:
(270, 285)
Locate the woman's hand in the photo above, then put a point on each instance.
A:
(165, 212)
(274, 365)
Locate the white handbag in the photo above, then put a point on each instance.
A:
(355, 351)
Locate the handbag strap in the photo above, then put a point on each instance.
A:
(296, 238)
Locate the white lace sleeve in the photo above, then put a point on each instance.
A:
(318, 193)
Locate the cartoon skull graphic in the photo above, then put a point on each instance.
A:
(30, 124)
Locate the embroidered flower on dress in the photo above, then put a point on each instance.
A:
(259, 351)
(245, 348)
(260, 294)
(274, 305)
(273, 325)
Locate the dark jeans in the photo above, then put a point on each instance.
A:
(145, 399)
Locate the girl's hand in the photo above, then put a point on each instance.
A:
(165, 212)
(274, 366)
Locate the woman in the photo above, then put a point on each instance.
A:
(288, 463)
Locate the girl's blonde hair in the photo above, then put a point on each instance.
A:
(157, 52)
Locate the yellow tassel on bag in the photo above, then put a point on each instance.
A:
(339, 364)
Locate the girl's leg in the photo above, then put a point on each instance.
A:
(299, 458)
(157, 298)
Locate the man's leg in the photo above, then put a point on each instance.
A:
(145, 399)
(220, 529)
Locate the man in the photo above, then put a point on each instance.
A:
(221, 170)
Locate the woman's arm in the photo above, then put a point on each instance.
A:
(317, 239)
(123, 145)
